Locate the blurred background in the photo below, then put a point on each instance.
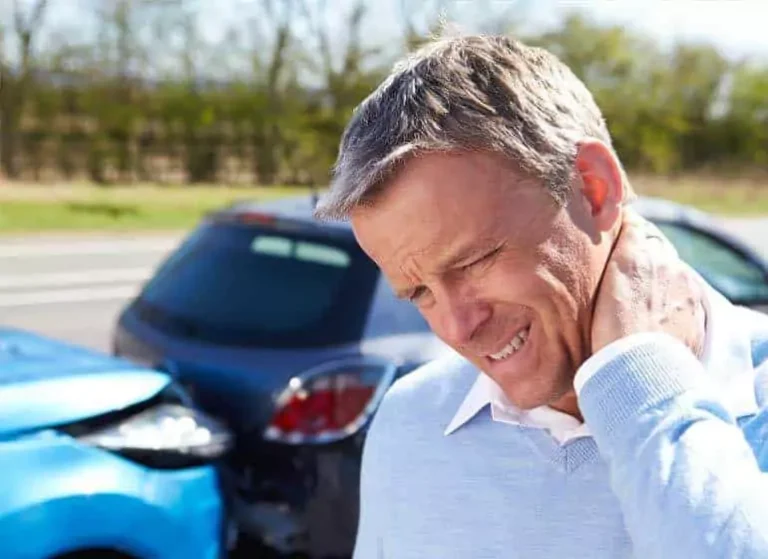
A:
(272, 337)
(122, 122)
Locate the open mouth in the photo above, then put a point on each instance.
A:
(513, 346)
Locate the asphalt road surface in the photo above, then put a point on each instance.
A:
(73, 287)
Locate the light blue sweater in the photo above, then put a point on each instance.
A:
(668, 473)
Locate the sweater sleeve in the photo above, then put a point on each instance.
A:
(690, 479)
(369, 542)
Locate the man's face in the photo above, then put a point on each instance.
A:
(501, 273)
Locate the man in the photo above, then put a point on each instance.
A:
(603, 401)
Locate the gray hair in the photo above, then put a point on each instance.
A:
(467, 93)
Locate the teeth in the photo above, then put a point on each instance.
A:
(513, 346)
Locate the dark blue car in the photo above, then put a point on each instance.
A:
(103, 459)
(284, 328)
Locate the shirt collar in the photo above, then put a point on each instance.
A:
(727, 357)
(477, 398)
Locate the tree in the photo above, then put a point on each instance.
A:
(15, 86)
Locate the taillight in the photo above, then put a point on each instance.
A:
(330, 402)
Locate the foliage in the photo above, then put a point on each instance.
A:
(148, 98)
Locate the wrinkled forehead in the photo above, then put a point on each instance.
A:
(440, 204)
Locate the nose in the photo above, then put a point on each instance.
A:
(460, 317)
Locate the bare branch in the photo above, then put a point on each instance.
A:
(25, 26)
(354, 51)
(319, 28)
(37, 14)
(281, 14)
(26, 31)
(18, 18)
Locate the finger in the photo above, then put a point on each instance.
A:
(633, 227)
(632, 218)
(636, 224)
(654, 235)
(641, 234)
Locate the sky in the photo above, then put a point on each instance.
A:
(737, 27)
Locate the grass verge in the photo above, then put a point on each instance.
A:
(35, 208)
(731, 197)
(26, 208)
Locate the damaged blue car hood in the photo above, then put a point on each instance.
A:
(45, 383)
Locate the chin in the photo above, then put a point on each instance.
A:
(528, 400)
(542, 388)
(526, 384)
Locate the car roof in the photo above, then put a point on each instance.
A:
(660, 210)
(300, 208)
(666, 210)
(292, 208)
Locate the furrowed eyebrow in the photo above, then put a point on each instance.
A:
(462, 256)
(468, 253)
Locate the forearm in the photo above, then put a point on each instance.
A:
(687, 479)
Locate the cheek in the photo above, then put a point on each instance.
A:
(571, 276)
(431, 315)
(548, 284)
(566, 301)
(515, 281)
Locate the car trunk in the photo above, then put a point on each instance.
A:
(240, 309)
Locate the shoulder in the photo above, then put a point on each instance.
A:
(436, 381)
(437, 385)
(753, 325)
(757, 323)
(424, 400)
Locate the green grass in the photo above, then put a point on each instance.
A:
(82, 207)
(733, 197)
(37, 208)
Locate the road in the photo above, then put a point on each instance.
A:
(73, 287)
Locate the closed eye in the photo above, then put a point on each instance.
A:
(416, 293)
(483, 258)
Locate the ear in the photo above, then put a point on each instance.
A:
(602, 185)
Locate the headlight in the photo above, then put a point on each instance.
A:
(164, 436)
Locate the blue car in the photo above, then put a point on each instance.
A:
(285, 329)
(282, 326)
(100, 458)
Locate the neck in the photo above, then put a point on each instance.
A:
(568, 403)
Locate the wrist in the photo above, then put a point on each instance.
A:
(611, 351)
(634, 375)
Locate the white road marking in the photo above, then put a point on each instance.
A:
(64, 279)
(24, 250)
(10, 300)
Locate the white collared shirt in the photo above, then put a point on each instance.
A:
(484, 391)
(563, 427)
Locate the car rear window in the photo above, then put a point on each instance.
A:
(240, 284)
